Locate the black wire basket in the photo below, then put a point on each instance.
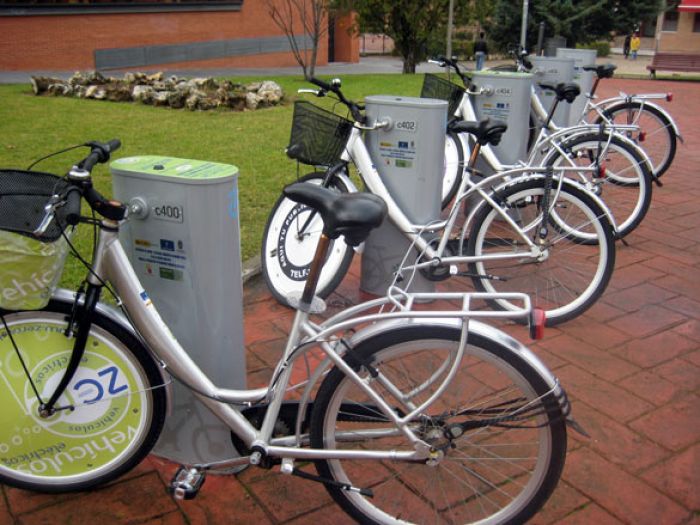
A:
(30, 266)
(23, 196)
(318, 136)
(441, 89)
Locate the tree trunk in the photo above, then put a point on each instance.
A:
(312, 64)
(409, 62)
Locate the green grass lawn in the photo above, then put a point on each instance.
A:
(31, 127)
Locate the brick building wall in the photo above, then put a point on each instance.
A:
(684, 38)
(69, 42)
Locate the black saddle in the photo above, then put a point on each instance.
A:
(485, 132)
(603, 70)
(564, 91)
(352, 215)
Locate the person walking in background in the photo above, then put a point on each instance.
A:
(480, 52)
(635, 42)
(626, 46)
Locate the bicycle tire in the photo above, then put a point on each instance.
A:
(560, 282)
(453, 168)
(285, 274)
(441, 493)
(660, 141)
(626, 187)
(110, 430)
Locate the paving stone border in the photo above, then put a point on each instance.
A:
(156, 90)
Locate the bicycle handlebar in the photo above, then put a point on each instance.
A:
(334, 87)
(100, 153)
(81, 186)
(443, 61)
(73, 206)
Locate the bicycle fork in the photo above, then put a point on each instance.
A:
(78, 328)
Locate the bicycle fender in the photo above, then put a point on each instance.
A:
(482, 329)
(476, 327)
(615, 104)
(621, 137)
(117, 316)
(565, 180)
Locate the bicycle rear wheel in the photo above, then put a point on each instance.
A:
(287, 251)
(656, 134)
(574, 269)
(626, 185)
(500, 470)
(119, 407)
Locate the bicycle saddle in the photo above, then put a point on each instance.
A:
(603, 71)
(485, 132)
(353, 215)
(564, 91)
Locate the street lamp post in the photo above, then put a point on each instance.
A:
(450, 13)
(523, 27)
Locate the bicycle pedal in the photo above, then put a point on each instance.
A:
(186, 483)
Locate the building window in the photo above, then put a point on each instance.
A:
(670, 21)
(61, 7)
(696, 23)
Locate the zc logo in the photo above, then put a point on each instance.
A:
(95, 388)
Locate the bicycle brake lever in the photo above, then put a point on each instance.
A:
(49, 212)
(317, 92)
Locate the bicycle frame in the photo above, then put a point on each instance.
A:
(600, 110)
(357, 152)
(551, 137)
(110, 263)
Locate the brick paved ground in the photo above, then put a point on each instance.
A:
(631, 366)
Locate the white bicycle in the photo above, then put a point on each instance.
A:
(612, 165)
(534, 230)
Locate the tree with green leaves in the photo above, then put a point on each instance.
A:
(412, 24)
(418, 27)
(579, 21)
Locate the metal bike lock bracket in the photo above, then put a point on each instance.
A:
(410, 160)
(183, 240)
(552, 71)
(582, 57)
(508, 102)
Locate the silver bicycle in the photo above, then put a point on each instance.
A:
(420, 416)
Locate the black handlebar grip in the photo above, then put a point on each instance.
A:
(320, 83)
(113, 145)
(92, 159)
(72, 205)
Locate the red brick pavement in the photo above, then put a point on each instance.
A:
(631, 366)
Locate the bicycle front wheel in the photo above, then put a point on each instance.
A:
(289, 243)
(656, 134)
(118, 404)
(501, 469)
(625, 186)
(572, 270)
